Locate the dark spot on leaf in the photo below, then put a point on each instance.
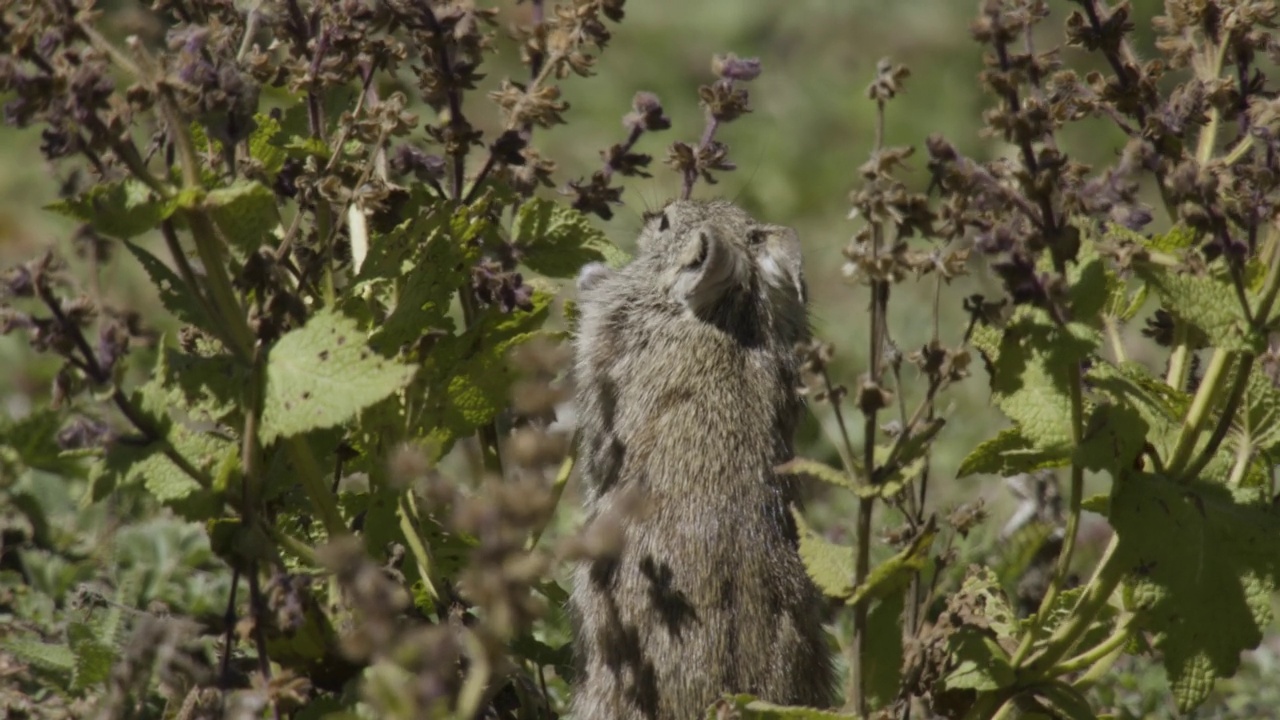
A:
(342, 339)
(324, 355)
(306, 395)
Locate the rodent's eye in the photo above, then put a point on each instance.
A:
(756, 237)
(664, 222)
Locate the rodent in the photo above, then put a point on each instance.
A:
(687, 378)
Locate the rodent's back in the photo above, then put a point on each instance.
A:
(687, 375)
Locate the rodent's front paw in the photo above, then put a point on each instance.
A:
(592, 274)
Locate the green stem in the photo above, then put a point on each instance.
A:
(292, 545)
(313, 482)
(1179, 359)
(408, 514)
(1107, 648)
(1209, 133)
(1100, 668)
(1096, 595)
(1244, 456)
(1210, 389)
(1117, 344)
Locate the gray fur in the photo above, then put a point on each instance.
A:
(687, 380)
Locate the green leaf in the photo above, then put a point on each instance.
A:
(1114, 436)
(1090, 285)
(1179, 237)
(208, 386)
(1260, 421)
(468, 377)
(1133, 387)
(895, 572)
(93, 657)
(120, 209)
(884, 650)
(263, 143)
(48, 656)
(1031, 376)
(1207, 303)
(1009, 453)
(557, 240)
(323, 374)
(245, 211)
(32, 443)
(747, 707)
(426, 291)
(1203, 564)
(828, 564)
(819, 471)
(979, 662)
(176, 296)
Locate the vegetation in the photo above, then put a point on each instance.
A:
(322, 476)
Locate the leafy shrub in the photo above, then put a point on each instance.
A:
(335, 491)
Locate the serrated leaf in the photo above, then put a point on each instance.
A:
(1132, 386)
(829, 565)
(1207, 303)
(93, 658)
(262, 144)
(426, 290)
(1179, 237)
(1090, 285)
(175, 295)
(1009, 453)
(120, 209)
(48, 656)
(468, 375)
(747, 707)
(1113, 437)
(895, 572)
(323, 374)
(1260, 422)
(884, 650)
(207, 386)
(32, 443)
(818, 471)
(557, 241)
(1032, 373)
(979, 662)
(1203, 564)
(983, 591)
(245, 212)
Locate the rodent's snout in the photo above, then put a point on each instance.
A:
(709, 266)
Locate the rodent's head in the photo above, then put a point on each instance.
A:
(711, 257)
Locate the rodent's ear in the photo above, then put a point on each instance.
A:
(781, 260)
(709, 266)
(591, 275)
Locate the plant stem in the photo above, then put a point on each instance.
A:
(866, 505)
(1096, 594)
(1077, 492)
(1116, 641)
(408, 515)
(1210, 389)
(313, 482)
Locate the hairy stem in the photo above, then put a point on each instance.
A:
(1097, 593)
(1077, 492)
